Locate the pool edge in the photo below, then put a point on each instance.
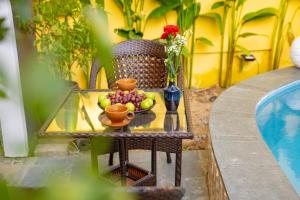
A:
(238, 145)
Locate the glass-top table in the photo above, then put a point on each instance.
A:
(156, 130)
(79, 116)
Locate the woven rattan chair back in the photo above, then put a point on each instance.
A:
(139, 59)
(142, 60)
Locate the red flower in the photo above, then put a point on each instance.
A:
(170, 29)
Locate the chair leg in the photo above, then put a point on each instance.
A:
(169, 160)
(153, 160)
(111, 159)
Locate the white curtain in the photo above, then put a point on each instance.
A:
(12, 116)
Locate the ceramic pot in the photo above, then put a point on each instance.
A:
(172, 96)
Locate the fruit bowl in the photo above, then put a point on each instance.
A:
(135, 112)
(136, 101)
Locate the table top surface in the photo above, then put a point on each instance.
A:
(79, 114)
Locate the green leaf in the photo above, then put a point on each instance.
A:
(243, 49)
(162, 11)
(187, 16)
(168, 2)
(122, 32)
(119, 3)
(3, 29)
(2, 94)
(185, 52)
(290, 34)
(240, 3)
(85, 2)
(133, 35)
(205, 41)
(188, 2)
(249, 34)
(260, 14)
(100, 3)
(218, 5)
(217, 17)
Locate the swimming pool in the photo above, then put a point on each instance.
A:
(278, 119)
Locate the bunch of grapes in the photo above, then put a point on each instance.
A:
(124, 97)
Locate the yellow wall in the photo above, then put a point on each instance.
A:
(206, 58)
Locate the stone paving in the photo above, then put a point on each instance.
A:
(56, 158)
(37, 171)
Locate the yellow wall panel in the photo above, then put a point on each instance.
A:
(206, 58)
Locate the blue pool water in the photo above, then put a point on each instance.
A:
(278, 119)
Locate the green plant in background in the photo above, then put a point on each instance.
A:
(221, 22)
(133, 18)
(3, 31)
(233, 15)
(283, 31)
(61, 33)
(187, 13)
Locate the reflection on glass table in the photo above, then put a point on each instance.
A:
(80, 114)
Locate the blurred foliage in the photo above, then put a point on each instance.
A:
(3, 29)
(82, 186)
(62, 33)
(42, 94)
(133, 18)
(283, 32)
(97, 25)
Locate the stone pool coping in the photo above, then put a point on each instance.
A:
(247, 166)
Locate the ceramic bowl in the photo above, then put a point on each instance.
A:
(126, 84)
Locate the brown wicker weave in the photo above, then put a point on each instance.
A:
(139, 59)
(155, 193)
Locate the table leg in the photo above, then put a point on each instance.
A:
(178, 169)
(122, 161)
(178, 165)
(153, 159)
(126, 151)
(111, 159)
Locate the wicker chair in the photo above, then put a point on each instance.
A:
(156, 193)
(139, 59)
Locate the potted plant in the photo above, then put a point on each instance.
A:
(174, 44)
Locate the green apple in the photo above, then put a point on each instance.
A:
(150, 95)
(101, 97)
(130, 106)
(146, 104)
(140, 92)
(105, 103)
